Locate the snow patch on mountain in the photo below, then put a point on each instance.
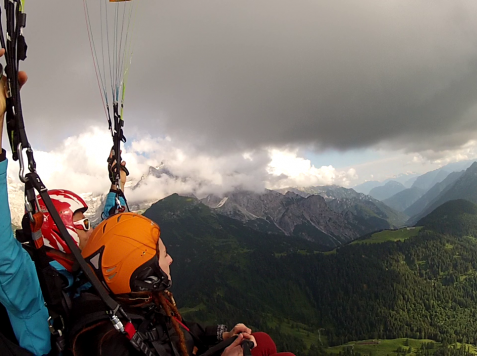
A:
(222, 202)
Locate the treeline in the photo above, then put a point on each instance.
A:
(426, 349)
(423, 287)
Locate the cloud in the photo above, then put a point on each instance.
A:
(292, 170)
(442, 157)
(79, 164)
(229, 77)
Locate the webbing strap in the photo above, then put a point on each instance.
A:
(118, 137)
(140, 345)
(15, 51)
(35, 180)
(111, 304)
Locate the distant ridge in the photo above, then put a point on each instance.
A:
(455, 217)
(465, 187)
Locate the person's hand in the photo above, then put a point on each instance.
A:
(111, 170)
(235, 348)
(239, 328)
(22, 78)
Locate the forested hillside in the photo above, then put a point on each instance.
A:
(421, 287)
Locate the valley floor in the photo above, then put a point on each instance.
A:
(401, 346)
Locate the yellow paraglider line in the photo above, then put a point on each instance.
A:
(127, 63)
(116, 34)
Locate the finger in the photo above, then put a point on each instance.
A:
(244, 329)
(237, 342)
(22, 78)
(123, 163)
(2, 52)
(241, 328)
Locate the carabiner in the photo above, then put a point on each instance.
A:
(21, 172)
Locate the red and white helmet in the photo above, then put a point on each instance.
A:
(66, 203)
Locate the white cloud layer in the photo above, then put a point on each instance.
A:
(290, 170)
(79, 164)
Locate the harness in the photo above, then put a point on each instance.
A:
(50, 280)
(88, 314)
(48, 277)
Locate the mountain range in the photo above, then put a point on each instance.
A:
(425, 181)
(328, 215)
(328, 221)
(404, 283)
(298, 260)
(461, 185)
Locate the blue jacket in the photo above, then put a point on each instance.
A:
(20, 290)
(110, 202)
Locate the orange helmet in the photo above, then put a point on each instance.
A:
(122, 251)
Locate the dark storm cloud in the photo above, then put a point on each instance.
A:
(229, 75)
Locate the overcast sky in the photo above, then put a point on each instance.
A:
(256, 94)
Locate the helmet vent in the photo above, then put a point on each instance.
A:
(104, 227)
(111, 277)
(111, 269)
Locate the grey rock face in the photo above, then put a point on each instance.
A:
(311, 217)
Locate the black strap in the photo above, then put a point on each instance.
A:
(51, 283)
(15, 51)
(105, 297)
(140, 345)
(88, 309)
(247, 346)
(118, 137)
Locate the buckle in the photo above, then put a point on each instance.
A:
(56, 331)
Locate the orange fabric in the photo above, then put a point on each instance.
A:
(39, 243)
(38, 221)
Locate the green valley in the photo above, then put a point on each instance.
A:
(409, 283)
